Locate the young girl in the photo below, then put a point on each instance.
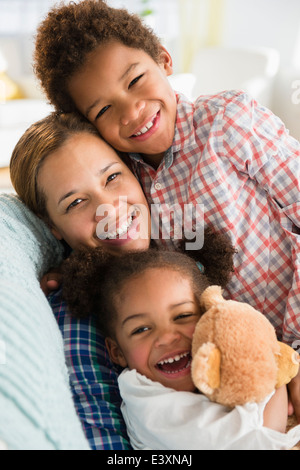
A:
(147, 305)
(224, 152)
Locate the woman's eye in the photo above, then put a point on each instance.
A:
(102, 112)
(135, 80)
(112, 177)
(74, 204)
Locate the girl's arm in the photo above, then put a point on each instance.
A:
(51, 281)
(294, 396)
(276, 410)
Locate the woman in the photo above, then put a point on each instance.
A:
(67, 175)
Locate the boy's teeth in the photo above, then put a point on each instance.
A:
(144, 129)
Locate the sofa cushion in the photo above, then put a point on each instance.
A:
(36, 406)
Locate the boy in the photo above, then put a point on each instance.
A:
(224, 152)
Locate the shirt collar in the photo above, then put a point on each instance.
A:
(184, 128)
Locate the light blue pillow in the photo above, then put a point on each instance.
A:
(36, 406)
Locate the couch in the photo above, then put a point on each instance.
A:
(36, 407)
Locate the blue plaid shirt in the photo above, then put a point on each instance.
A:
(93, 379)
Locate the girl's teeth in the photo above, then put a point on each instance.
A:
(170, 360)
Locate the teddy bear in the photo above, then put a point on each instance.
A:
(236, 356)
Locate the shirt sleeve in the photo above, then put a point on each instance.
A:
(258, 143)
(93, 380)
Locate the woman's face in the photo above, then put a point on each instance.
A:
(92, 198)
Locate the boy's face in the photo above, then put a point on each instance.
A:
(157, 315)
(127, 96)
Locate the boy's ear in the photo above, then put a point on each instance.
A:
(165, 60)
(115, 352)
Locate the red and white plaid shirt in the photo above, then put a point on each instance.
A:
(237, 159)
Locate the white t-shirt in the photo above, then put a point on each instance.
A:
(160, 418)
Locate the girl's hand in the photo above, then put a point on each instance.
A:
(51, 281)
(294, 397)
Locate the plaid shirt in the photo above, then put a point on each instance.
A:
(237, 159)
(93, 380)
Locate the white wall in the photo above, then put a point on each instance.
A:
(272, 23)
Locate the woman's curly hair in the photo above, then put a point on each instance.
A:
(92, 278)
(70, 32)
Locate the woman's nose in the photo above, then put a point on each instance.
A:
(105, 211)
(131, 111)
(108, 205)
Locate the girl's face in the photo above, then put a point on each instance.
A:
(92, 197)
(157, 315)
(128, 98)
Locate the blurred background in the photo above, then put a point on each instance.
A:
(215, 44)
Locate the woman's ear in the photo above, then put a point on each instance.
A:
(52, 228)
(56, 233)
(115, 352)
(165, 60)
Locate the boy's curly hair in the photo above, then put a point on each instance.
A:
(92, 277)
(70, 32)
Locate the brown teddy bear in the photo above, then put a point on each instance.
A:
(236, 356)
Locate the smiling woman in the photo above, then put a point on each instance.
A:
(78, 184)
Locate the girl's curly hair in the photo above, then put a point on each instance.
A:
(70, 32)
(92, 278)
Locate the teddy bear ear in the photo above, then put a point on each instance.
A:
(206, 372)
(288, 361)
(211, 296)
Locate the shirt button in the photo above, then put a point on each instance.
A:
(157, 186)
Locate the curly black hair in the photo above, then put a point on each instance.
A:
(71, 32)
(92, 277)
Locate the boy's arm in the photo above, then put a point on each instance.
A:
(259, 145)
